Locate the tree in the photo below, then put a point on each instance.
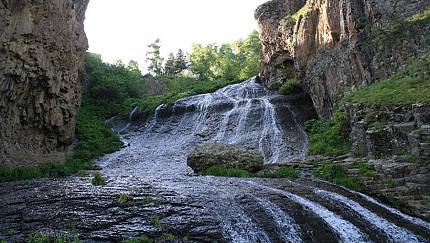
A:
(202, 59)
(154, 59)
(180, 63)
(169, 66)
(249, 51)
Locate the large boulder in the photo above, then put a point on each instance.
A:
(229, 156)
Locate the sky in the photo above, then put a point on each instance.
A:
(122, 29)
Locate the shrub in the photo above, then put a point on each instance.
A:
(327, 137)
(98, 179)
(290, 86)
(283, 172)
(37, 237)
(227, 172)
(337, 174)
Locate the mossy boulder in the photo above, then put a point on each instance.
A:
(228, 156)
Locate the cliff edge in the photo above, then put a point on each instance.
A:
(42, 45)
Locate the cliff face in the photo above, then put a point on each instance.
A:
(42, 44)
(334, 46)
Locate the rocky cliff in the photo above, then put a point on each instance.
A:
(42, 44)
(335, 46)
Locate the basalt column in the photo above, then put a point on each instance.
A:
(42, 44)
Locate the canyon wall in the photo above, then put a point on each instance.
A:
(42, 44)
(335, 46)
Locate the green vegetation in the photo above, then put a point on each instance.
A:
(156, 221)
(113, 89)
(364, 169)
(410, 85)
(98, 180)
(337, 174)
(329, 137)
(95, 140)
(290, 86)
(228, 172)
(283, 172)
(140, 239)
(37, 237)
(124, 198)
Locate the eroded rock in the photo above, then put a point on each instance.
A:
(42, 44)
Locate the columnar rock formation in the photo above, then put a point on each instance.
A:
(42, 44)
(334, 46)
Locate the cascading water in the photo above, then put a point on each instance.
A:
(206, 208)
(244, 114)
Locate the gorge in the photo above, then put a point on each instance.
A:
(333, 48)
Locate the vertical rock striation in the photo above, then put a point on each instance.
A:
(335, 46)
(42, 44)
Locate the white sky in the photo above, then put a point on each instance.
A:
(122, 29)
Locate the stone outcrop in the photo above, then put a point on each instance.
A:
(381, 133)
(335, 46)
(228, 156)
(42, 44)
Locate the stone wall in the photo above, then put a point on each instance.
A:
(42, 44)
(335, 46)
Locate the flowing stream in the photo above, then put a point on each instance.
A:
(168, 197)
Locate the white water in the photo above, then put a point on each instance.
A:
(346, 230)
(287, 228)
(394, 232)
(242, 114)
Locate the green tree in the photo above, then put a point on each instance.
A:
(169, 66)
(249, 51)
(180, 63)
(154, 59)
(202, 59)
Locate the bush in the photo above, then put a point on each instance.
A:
(290, 86)
(98, 179)
(283, 172)
(328, 138)
(337, 174)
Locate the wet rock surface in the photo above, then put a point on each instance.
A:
(166, 197)
(228, 156)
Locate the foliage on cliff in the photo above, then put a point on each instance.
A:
(329, 137)
(410, 85)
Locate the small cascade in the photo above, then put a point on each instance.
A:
(286, 227)
(394, 232)
(244, 114)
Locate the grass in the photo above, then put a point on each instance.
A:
(328, 138)
(95, 140)
(290, 86)
(140, 239)
(124, 198)
(364, 169)
(410, 85)
(37, 237)
(283, 172)
(337, 174)
(156, 221)
(228, 172)
(98, 180)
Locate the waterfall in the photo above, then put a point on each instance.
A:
(244, 114)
